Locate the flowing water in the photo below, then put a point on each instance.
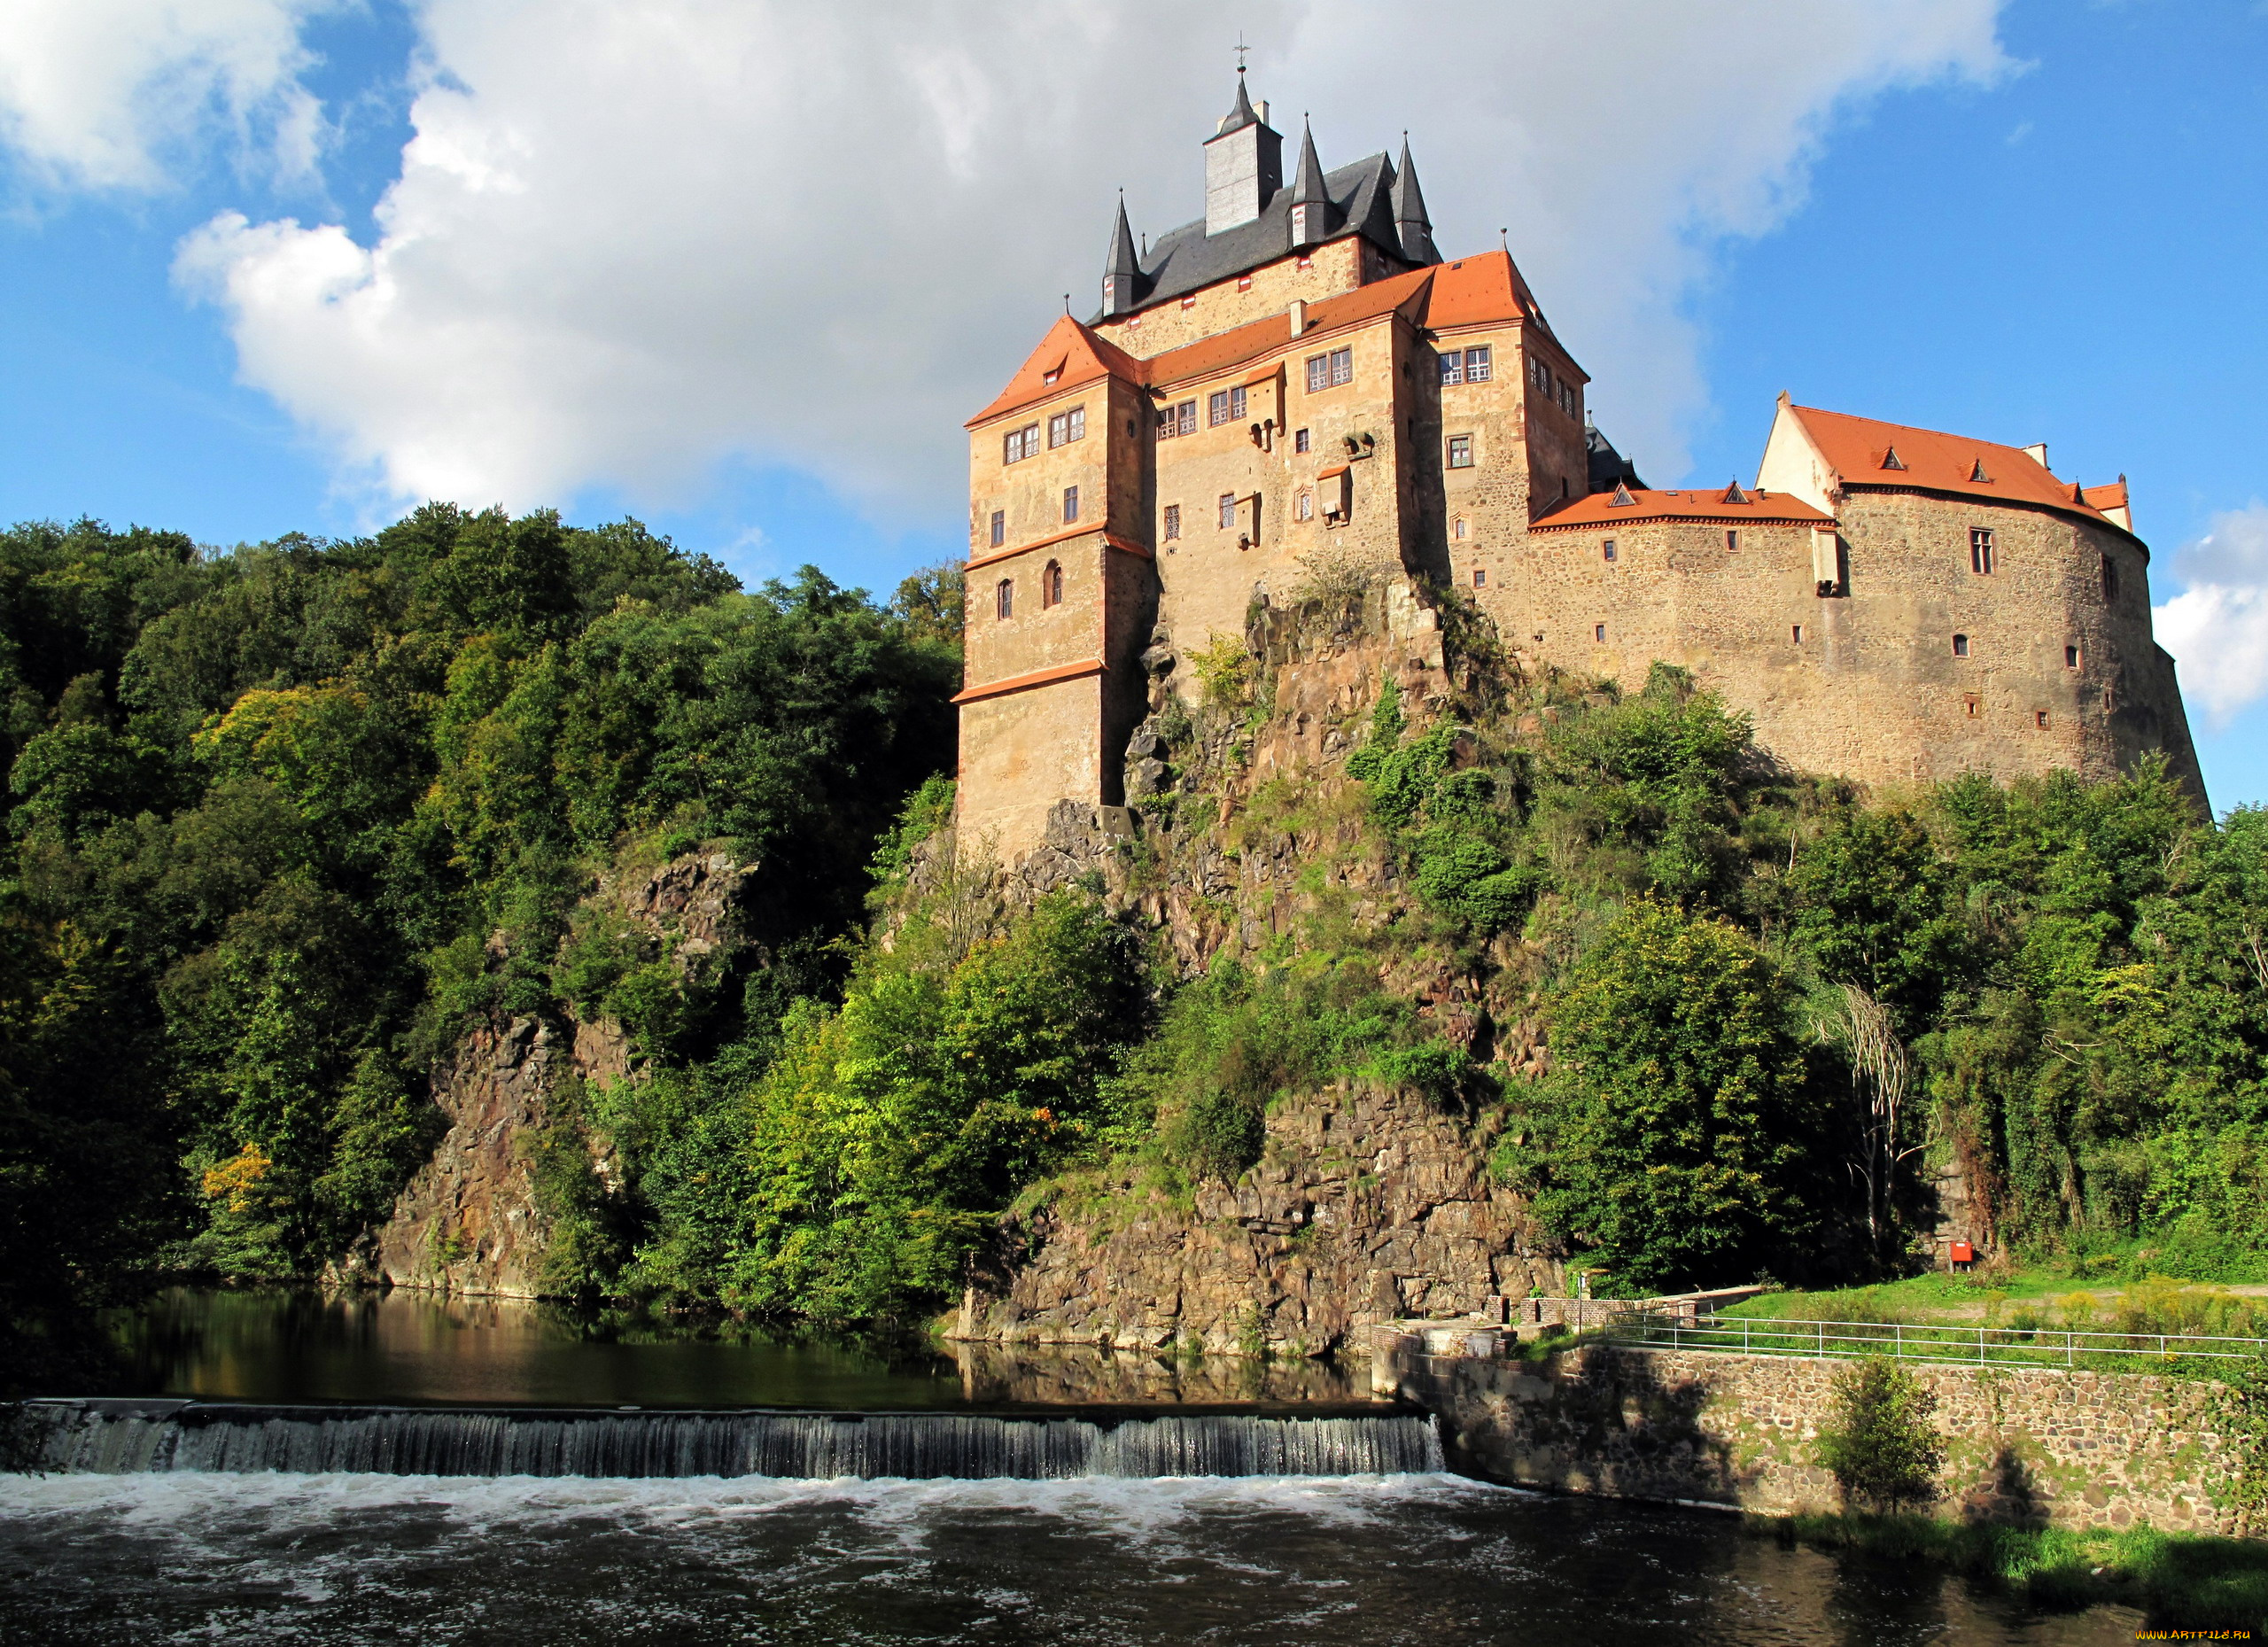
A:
(1178, 1505)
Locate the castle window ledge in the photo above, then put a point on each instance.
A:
(1124, 545)
(1024, 683)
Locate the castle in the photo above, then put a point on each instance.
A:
(1300, 373)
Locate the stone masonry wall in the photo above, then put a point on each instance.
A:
(2025, 1446)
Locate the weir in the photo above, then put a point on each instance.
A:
(123, 1437)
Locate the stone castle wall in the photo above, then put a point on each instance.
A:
(2037, 1446)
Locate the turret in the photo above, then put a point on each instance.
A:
(1410, 224)
(1243, 165)
(1122, 270)
(1310, 204)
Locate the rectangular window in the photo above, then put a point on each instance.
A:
(1609, 546)
(1479, 576)
(2070, 657)
(1732, 539)
(1189, 303)
(1319, 373)
(2110, 579)
(1342, 367)
(1000, 527)
(1066, 427)
(1476, 364)
(1004, 599)
(1168, 425)
(1021, 444)
(1980, 550)
(1598, 632)
(1303, 505)
(1225, 406)
(1796, 633)
(1299, 440)
(1070, 504)
(1228, 510)
(1460, 451)
(1972, 706)
(1173, 522)
(1244, 283)
(1452, 367)
(1961, 646)
(2040, 719)
(1187, 412)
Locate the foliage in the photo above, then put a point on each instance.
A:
(1880, 1441)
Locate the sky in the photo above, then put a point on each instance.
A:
(742, 267)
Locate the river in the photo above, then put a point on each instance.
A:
(259, 1555)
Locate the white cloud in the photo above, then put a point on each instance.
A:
(2217, 627)
(634, 237)
(103, 94)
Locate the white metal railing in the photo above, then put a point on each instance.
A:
(1978, 1345)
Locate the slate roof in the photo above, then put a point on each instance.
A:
(1608, 466)
(1187, 258)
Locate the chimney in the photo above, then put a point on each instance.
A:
(1298, 315)
(1262, 107)
(2038, 453)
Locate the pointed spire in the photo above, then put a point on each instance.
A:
(1411, 226)
(1122, 271)
(1240, 112)
(1311, 201)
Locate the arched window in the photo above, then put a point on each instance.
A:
(1004, 598)
(1050, 584)
(1303, 505)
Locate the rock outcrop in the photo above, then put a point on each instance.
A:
(471, 1219)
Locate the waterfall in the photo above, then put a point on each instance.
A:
(124, 1437)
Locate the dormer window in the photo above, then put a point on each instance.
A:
(1189, 303)
(1244, 283)
(1050, 378)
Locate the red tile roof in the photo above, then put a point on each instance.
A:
(1868, 454)
(1075, 355)
(1600, 508)
(1474, 291)
(2108, 498)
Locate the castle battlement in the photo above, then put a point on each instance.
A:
(1301, 371)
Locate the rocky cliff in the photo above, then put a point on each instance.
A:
(472, 1220)
(1248, 836)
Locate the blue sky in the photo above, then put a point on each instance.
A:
(2041, 220)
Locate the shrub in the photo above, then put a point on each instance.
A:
(1880, 1442)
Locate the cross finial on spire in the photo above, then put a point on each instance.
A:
(1241, 50)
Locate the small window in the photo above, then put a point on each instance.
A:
(1004, 598)
(1567, 399)
(1539, 375)
(1796, 634)
(1303, 505)
(1480, 577)
(2070, 657)
(1452, 367)
(1609, 546)
(1225, 406)
(1173, 522)
(1049, 378)
(1961, 646)
(2110, 579)
(1980, 551)
(1021, 444)
(1168, 427)
(1319, 373)
(1972, 706)
(1298, 440)
(2109, 701)
(1244, 283)
(1460, 451)
(1476, 364)
(1187, 413)
(1732, 538)
(1070, 505)
(1228, 510)
(1342, 367)
(1189, 303)
(1457, 529)
(1050, 584)
(1598, 632)
(2040, 719)
(1000, 527)
(1307, 262)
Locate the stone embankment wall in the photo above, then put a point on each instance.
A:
(2024, 1446)
(470, 1220)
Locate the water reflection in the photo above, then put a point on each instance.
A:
(284, 1345)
